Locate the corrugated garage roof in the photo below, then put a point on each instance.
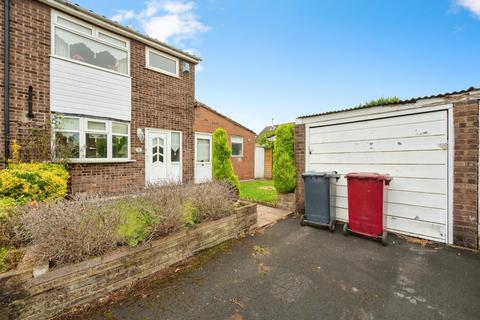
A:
(411, 100)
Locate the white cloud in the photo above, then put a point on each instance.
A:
(171, 21)
(471, 5)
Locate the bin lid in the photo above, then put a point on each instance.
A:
(327, 174)
(369, 175)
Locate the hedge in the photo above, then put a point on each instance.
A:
(221, 162)
(284, 173)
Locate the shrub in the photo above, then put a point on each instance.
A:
(4, 253)
(190, 215)
(221, 162)
(378, 102)
(33, 181)
(284, 172)
(137, 221)
(212, 201)
(71, 231)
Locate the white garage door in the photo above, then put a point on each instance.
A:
(412, 149)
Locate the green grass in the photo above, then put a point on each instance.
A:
(259, 191)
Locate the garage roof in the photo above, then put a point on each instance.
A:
(411, 100)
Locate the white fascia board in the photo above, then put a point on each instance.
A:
(91, 17)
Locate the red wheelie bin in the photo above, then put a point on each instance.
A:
(365, 204)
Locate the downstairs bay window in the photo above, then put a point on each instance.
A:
(92, 140)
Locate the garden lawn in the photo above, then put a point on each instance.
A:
(259, 191)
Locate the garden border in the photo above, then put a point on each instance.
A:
(59, 290)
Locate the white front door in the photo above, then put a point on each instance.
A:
(203, 157)
(156, 157)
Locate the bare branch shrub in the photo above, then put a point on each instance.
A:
(71, 231)
(213, 200)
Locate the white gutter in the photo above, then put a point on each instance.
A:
(96, 19)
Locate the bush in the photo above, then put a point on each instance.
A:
(4, 253)
(221, 162)
(33, 181)
(71, 231)
(137, 221)
(284, 171)
(212, 201)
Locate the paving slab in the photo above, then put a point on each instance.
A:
(269, 215)
(293, 272)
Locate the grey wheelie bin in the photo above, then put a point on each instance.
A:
(317, 199)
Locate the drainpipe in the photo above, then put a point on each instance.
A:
(6, 77)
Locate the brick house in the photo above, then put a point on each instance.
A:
(428, 144)
(124, 100)
(242, 142)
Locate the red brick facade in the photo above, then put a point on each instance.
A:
(29, 66)
(207, 120)
(300, 164)
(465, 196)
(158, 101)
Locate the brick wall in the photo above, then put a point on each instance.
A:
(29, 66)
(300, 164)
(207, 121)
(158, 101)
(268, 163)
(465, 197)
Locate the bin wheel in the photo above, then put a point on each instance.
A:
(331, 226)
(345, 229)
(302, 221)
(384, 237)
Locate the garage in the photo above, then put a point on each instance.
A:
(411, 146)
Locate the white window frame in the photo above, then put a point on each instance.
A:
(181, 149)
(148, 66)
(94, 37)
(231, 145)
(83, 130)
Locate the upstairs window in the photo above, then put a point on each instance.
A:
(78, 41)
(237, 146)
(162, 62)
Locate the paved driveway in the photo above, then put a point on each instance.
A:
(289, 272)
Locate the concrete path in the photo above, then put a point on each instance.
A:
(268, 215)
(293, 272)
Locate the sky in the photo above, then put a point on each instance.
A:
(264, 59)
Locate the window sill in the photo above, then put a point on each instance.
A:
(87, 161)
(237, 156)
(163, 72)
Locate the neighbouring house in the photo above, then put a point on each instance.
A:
(242, 142)
(124, 100)
(430, 145)
(265, 141)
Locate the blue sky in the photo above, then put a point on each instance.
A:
(283, 59)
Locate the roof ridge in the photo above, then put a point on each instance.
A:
(201, 104)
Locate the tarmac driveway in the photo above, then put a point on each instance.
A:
(290, 272)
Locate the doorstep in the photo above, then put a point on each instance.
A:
(268, 216)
